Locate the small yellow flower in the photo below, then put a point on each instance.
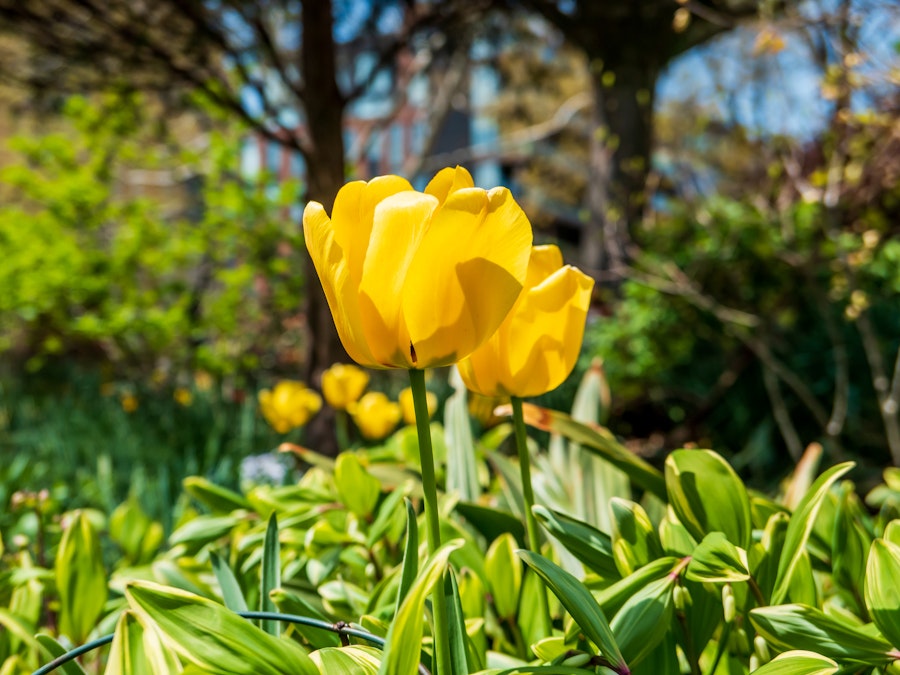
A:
(289, 405)
(418, 279)
(203, 380)
(343, 384)
(409, 411)
(129, 403)
(537, 345)
(183, 396)
(375, 415)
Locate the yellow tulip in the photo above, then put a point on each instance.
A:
(342, 384)
(538, 344)
(375, 415)
(289, 405)
(406, 404)
(418, 279)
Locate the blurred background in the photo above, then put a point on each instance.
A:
(728, 171)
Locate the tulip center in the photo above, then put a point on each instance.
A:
(412, 353)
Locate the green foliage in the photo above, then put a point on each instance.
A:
(197, 274)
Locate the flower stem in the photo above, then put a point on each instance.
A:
(531, 527)
(432, 518)
(341, 430)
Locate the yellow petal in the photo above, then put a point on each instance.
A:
(466, 275)
(341, 292)
(400, 221)
(544, 261)
(343, 384)
(447, 181)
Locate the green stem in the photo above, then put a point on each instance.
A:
(341, 431)
(531, 526)
(432, 517)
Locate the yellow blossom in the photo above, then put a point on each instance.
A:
(538, 344)
(375, 415)
(408, 408)
(183, 396)
(129, 403)
(289, 405)
(343, 384)
(418, 279)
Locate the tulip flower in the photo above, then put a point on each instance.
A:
(289, 405)
(343, 384)
(407, 405)
(418, 279)
(375, 415)
(537, 345)
(533, 351)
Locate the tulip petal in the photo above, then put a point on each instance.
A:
(466, 275)
(340, 291)
(447, 181)
(354, 209)
(400, 222)
(544, 261)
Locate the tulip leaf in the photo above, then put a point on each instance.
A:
(802, 627)
(357, 488)
(351, 660)
(800, 527)
(389, 514)
(459, 662)
(270, 575)
(579, 602)
(462, 463)
(644, 620)
(599, 441)
(206, 634)
(231, 590)
(882, 588)
(798, 662)
(591, 546)
(707, 496)
(80, 579)
(717, 560)
(410, 555)
(404, 638)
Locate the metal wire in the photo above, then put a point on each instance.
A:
(344, 630)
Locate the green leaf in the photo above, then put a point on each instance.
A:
(717, 560)
(579, 602)
(798, 662)
(462, 464)
(491, 522)
(591, 546)
(504, 575)
(882, 592)
(601, 442)
(231, 590)
(800, 527)
(635, 541)
(459, 662)
(219, 500)
(389, 514)
(208, 635)
(404, 639)
(352, 660)
(613, 597)
(54, 650)
(410, 555)
(136, 651)
(644, 620)
(291, 603)
(707, 496)
(80, 579)
(357, 488)
(198, 532)
(801, 627)
(270, 575)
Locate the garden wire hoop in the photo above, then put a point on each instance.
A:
(344, 631)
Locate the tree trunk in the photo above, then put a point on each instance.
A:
(324, 107)
(620, 148)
